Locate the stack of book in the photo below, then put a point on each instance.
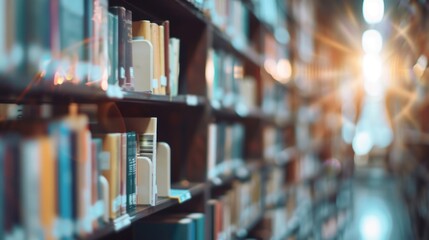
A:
(237, 210)
(227, 84)
(85, 43)
(60, 180)
(225, 148)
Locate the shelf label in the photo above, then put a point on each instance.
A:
(181, 195)
(191, 100)
(122, 222)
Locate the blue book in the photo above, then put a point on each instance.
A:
(62, 134)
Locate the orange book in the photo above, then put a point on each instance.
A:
(156, 58)
(48, 196)
(111, 145)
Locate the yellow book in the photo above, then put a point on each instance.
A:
(142, 29)
(162, 77)
(48, 196)
(156, 58)
(111, 145)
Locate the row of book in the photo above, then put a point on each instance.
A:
(225, 148)
(237, 210)
(227, 84)
(232, 17)
(60, 180)
(86, 42)
(178, 226)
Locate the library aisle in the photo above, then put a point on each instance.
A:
(379, 208)
(214, 119)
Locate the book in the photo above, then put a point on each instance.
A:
(166, 41)
(174, 51)
(156, 58)
(48, 201)
(165, 229)
(111, 145)
(123, 173)
(199, 220)
(122, 32)
(98, 74)
(129, 70)
(30, 187)
(162, 77)
(61, 134)
(131, 171)
(71, 40)
(113, 55)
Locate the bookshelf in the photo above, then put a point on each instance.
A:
(237, 178)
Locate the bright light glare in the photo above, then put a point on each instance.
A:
(284, 70)
(372, 66)
(371, 227)
(362, 143)
(372, 41)
(373, 11)
(373, 87)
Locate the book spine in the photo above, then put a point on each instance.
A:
(72, 35)
(120, 12)
(162, 77)
(89, 38)
(156, 58)
(131, 172)
(166, 25)
(61, 134)
(113, 50)
(30, 162)
(95, 150)
(129, 71)
(48, 201)
(123, 173)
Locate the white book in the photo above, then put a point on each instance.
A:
(30, 182)
(174, 65)
(212, 148)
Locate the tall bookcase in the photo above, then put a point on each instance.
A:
(270, 163)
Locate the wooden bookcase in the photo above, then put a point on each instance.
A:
(184, 120)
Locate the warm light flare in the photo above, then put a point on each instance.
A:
(372, 41)
(373, 11)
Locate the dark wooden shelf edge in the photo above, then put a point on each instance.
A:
(13, 92)
(145, 210)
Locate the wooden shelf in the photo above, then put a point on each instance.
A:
(145, 210)
(44, 93)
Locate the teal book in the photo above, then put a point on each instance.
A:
(62, 135)
(72, 37)
(113, 49)
(199, 223)
(165, 228)
(131, 171)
